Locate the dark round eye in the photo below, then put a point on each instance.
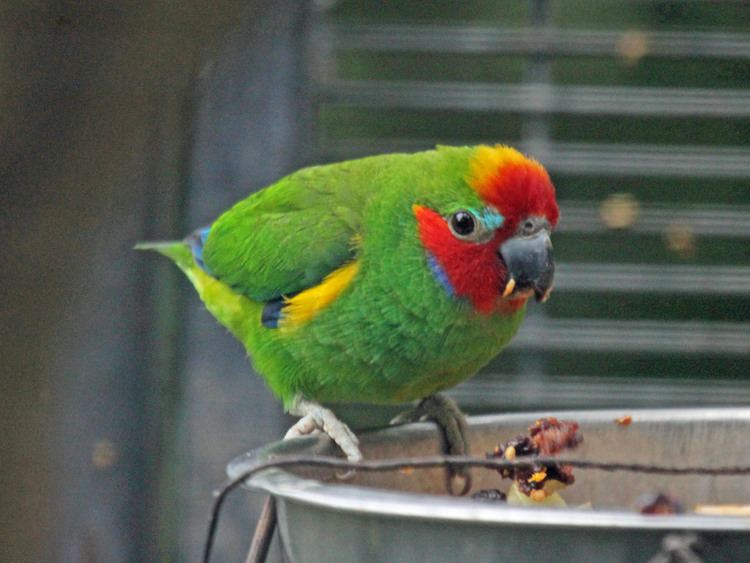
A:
(462, 223)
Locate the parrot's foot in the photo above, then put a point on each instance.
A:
(445, 412)
(318, 418)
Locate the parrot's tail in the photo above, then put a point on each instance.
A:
(176, 250)
(230, 309)
(180, 252)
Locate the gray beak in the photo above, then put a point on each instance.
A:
(530, 264)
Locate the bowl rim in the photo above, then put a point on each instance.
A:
(358, 499)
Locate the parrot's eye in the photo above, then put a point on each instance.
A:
(462, 223)
(466, 226)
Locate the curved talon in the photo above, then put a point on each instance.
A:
(445, 412)
(305, 426)
(413, 415)
(316, 418)
(452, 477)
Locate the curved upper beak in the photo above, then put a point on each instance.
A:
(530, 265)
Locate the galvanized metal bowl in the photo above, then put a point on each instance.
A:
(398, 517)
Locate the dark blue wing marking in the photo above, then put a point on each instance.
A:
(196, 241)
(272, 314)
(272, 310)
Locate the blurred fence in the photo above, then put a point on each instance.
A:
(641, 112)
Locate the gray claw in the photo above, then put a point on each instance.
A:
(316, 418)
(445, 412)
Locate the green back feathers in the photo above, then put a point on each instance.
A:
(292, 234)
(289, 236)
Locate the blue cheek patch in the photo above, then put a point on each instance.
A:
(440, 275)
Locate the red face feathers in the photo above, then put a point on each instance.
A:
(464, 246)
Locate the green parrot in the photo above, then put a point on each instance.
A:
(380, 280)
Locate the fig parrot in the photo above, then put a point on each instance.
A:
(381, 280)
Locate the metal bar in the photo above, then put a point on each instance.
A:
(595, 335)
(264, 531)
(709, 220)
(539, 98)
(584, 159)
(569, 391)
(627, 278)
(486, 40)
(645, 160)
(535, 129)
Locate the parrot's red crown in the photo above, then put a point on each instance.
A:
(514, 184)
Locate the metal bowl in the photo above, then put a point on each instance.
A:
(398, 517)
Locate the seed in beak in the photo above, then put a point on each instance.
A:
(509, 287)
(545, 296)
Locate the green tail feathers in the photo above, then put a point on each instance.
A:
(175, 250)
(231, 309)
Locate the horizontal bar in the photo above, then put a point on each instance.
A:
(492, 40)
(595, 335)
(583, 159)
(644, 160)
(524, 391)
(539, 98)
(650, 278)
(710, 220)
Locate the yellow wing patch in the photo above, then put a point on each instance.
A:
(305, 305)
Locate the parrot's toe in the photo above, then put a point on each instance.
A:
(305, 426)
(316, 418)
(445, 412)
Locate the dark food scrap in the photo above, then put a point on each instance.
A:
(552, 436)
(658, 503)
(490, 495)
(547, 436)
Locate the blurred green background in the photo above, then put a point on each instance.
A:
(641, 112)
(123, 400)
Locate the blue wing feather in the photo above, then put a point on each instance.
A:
(196, 241)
